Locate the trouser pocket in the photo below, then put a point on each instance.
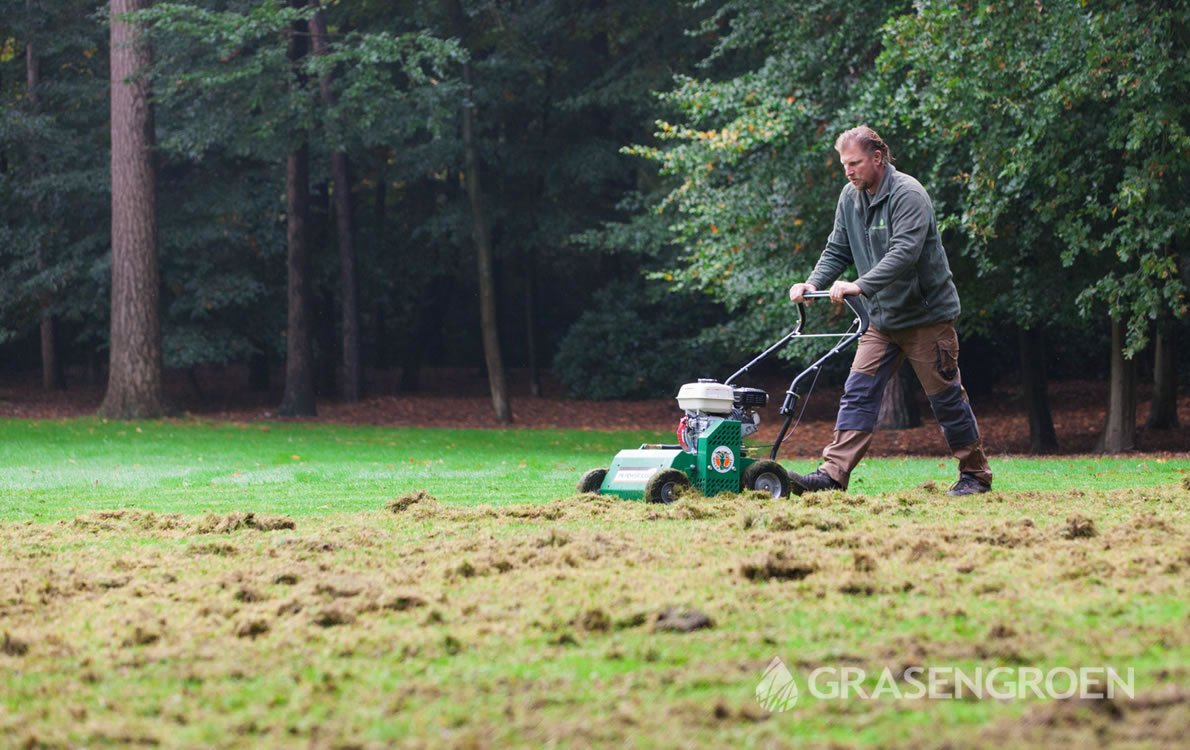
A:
(946, 360)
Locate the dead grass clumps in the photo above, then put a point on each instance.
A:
(225, 524)
(402, 602)
(126, 518)
(331, 616)
(675, 620)
(252, 628)
(778, 565)
(420, 501)
(1078, 527)
(13, 646)
(339, 587)
(811, 519)
(594, 620)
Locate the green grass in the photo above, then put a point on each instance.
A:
(509, 612)
(51, 469)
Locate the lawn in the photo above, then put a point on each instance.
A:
(203, 584)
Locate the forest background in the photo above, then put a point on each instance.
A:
(609, 195)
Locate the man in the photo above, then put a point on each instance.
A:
(884, 225)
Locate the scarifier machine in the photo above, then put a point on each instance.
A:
(710, 454)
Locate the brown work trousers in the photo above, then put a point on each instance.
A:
(933, 352)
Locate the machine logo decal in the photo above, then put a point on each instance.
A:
(635, 475)
(722, 459)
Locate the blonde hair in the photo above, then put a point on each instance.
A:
(867, 139)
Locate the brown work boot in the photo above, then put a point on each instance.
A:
(968, 485)
(815, 481)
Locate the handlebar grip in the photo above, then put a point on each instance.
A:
(856, 302)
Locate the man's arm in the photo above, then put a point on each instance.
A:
(909, 221)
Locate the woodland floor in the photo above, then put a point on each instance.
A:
(459, 398)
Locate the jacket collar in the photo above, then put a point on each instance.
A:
(890, 173)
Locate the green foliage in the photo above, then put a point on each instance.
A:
(755, 175)
(1051, 136)
(636, 341)
(1063, 128)
(54, 185)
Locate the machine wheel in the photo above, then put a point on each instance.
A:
(767, 476)
(592, 481)
(665, 485)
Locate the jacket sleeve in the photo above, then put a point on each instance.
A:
(837, 255)
(910, 215)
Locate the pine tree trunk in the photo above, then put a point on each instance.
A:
(1163, 413)
(298, 399)
(1042, 436)
(1119, 431)
(898, 409)
(134, 388)
(341, 174)
(53, 376)
(493, 359)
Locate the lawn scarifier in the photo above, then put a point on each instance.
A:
(710, 453)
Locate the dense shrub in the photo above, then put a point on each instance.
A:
(638, 341)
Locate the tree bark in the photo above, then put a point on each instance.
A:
(493, 359)
(352, 387)
(1163, 413)
(1119, 430)
(298, 399)
(134, 388)
(1042, 436)
(53, 376)
(898, 409)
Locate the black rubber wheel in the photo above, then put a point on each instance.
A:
(592, 481)
(767, 476)
(665, 486)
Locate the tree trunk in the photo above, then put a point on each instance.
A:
(898, 409)
(134, 388)
(1042, 437)
(1163, 414)
(298, 399)
(493, 358)
(341, 174)
(1119, 431)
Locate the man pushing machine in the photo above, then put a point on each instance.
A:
(885, 226)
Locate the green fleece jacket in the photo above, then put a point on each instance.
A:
(892, 238)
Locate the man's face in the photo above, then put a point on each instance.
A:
(863, 170)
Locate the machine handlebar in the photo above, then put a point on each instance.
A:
(855, 302)
(857, 305)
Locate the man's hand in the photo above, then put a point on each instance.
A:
(797, 292)
(841, 289)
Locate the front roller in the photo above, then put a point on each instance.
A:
(769, 477)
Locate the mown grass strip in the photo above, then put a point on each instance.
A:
(55, 469)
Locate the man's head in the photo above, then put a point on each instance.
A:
(864, 155)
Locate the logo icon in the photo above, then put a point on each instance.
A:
(777, 691)
(722, 459)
